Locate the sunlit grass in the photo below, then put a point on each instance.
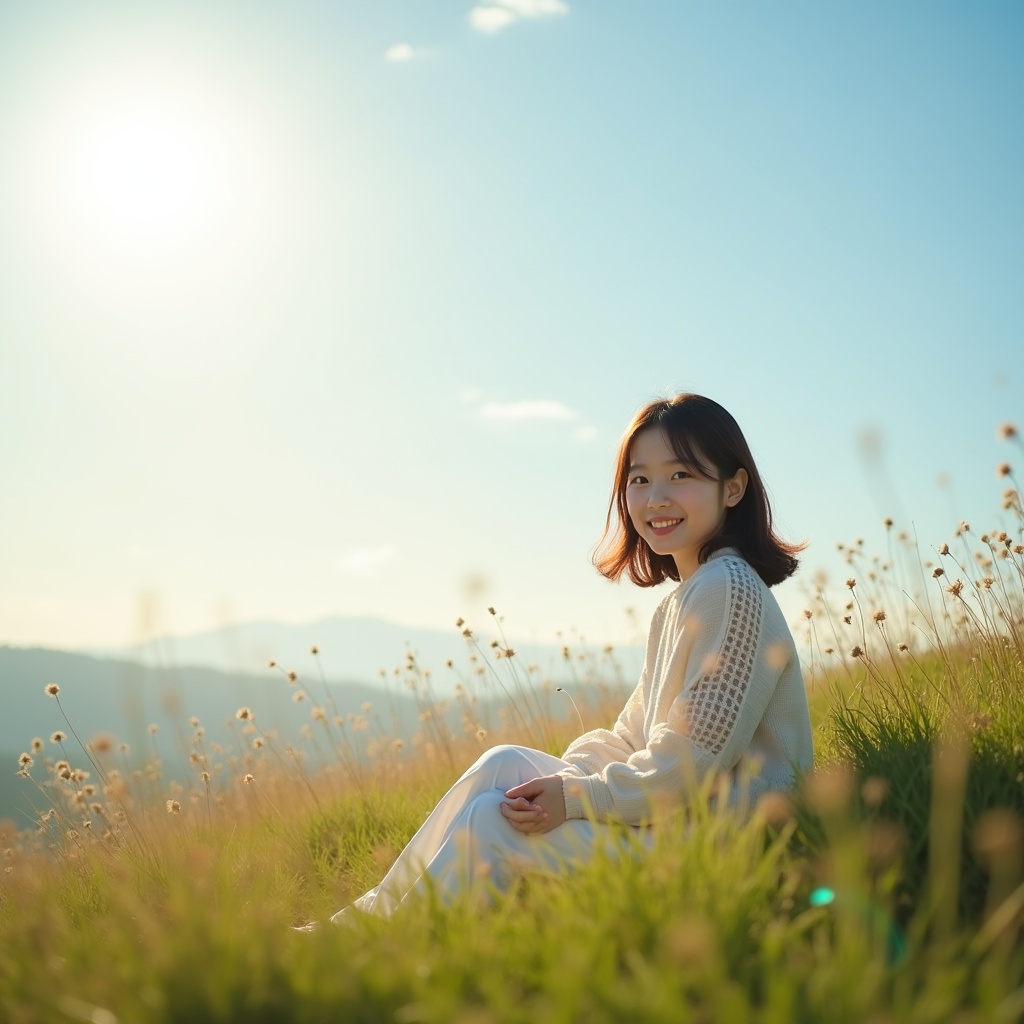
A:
(888, 888)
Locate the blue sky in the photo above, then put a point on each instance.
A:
(341, 307)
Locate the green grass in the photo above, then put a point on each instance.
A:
(912, 822)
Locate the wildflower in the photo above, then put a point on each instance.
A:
(298, 696)
(943, 548)
(153, 728)
(1007, 431)
(257, 743)
(874, 790)
(879, 616)
(25, 761)
(936, 573)
(493, 643)
(851, 583)
(857, 652)
(467, 633)
(807, 613)
(481, 734)
(314, 649)
(205, 776)
(23, 772)
(366, 707)
(71, 834)
(955, 588)
(902, 646)
(319, 714)
(58, 737)
(244, 714)
(173, 807)
(293, 677)
(830, 650)
(248, 780)
(64, 773)
(847, 619)
(194, 722)
(52, 689)
(1004, 469)
(102, 744)
(37, 745)
(887, 522)
(271, 663)
(89, 790)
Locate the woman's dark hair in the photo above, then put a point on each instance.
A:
(699, 432)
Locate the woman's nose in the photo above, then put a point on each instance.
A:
(656, 500)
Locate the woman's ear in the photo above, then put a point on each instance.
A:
(735, 488)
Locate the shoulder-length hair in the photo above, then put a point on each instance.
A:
(705, 437)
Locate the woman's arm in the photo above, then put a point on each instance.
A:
(728, 678)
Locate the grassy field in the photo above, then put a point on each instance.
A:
(888, 889)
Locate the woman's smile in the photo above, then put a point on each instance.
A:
(663, 527)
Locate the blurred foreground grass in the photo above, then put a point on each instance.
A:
(889, 888)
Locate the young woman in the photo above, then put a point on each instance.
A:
(721, 682)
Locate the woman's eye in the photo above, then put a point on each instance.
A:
(680, 474)
(638, 480)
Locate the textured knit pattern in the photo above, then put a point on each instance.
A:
(721, 684)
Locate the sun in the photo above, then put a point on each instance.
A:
(145, 172)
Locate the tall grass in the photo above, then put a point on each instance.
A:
(888, 888)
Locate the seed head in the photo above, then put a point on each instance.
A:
(298, 696)
(902, 646)
(153, 728)
(460, 622)
(257, 743)
(37, 746)
(173, 807)
(887, 522)
(205, 776)
(807, 613)
(1004, 469)
(25, 761)
(244, 714)
(319, 714)
(936, 573)
(1007, 431)
(248, 780)
(851, 583)
(52, 689)
(955, 588)
(481, 734)
(314, 649)
(271, 663)
(293, 677)
(879, 616)
(857, 652)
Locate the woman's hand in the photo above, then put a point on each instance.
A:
(536, 806)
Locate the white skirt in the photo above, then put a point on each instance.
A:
(466, 839)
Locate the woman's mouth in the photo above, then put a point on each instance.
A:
(660, 527)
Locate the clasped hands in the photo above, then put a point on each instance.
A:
(536, 806)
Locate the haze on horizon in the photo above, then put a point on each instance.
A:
(341, 309)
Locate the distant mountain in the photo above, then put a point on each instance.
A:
(353, 648)
(121, 697)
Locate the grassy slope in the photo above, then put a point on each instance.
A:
(913, 822)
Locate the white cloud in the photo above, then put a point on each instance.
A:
(493, 17)
(528, 409)
(366, 562)
(585, 433)
(490, 19)
(399, 52)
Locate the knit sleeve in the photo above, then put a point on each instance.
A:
(727, 681)
(594, 750)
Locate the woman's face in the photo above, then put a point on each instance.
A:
(674, 507)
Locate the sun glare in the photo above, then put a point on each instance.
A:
(145, 172)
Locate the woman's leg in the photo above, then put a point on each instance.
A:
(452, 825)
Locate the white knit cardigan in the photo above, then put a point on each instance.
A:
(721, 682)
